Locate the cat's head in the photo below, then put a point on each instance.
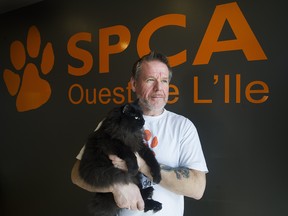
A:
(125, 122)
(133, 115)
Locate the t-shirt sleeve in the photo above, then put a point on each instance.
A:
(192, 155)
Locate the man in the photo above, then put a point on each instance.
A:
(172, 137)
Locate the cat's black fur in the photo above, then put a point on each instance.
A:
(121, 134)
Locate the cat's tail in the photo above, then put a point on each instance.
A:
(103, 204)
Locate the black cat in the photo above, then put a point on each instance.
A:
(121, 134)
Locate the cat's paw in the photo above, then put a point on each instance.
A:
(147, 193)
(152, 205)
(157, 206)
(157, 178)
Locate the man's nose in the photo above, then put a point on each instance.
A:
(158, 85)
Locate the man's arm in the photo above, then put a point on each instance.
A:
(184, 181)
(77, 180)
(125, 196)
(181, 180)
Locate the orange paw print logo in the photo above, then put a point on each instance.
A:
(147, 138)
(24, 81)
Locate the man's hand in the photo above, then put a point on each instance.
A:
(121, 164)
(118, 162)
(143, 168)
(128, 196)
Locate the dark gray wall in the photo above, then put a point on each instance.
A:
(243, 141)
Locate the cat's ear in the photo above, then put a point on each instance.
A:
(125, 108)
(136, 101)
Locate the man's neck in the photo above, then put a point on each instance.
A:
(153, 112)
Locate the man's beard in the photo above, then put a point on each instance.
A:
(147, 106)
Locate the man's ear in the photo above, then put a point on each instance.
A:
(133, 84)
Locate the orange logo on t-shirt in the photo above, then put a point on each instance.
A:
(147, 138)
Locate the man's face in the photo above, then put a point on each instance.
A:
(152, 87)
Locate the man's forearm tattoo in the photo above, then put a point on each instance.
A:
(179, 171)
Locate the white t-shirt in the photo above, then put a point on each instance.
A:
(175, 142)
